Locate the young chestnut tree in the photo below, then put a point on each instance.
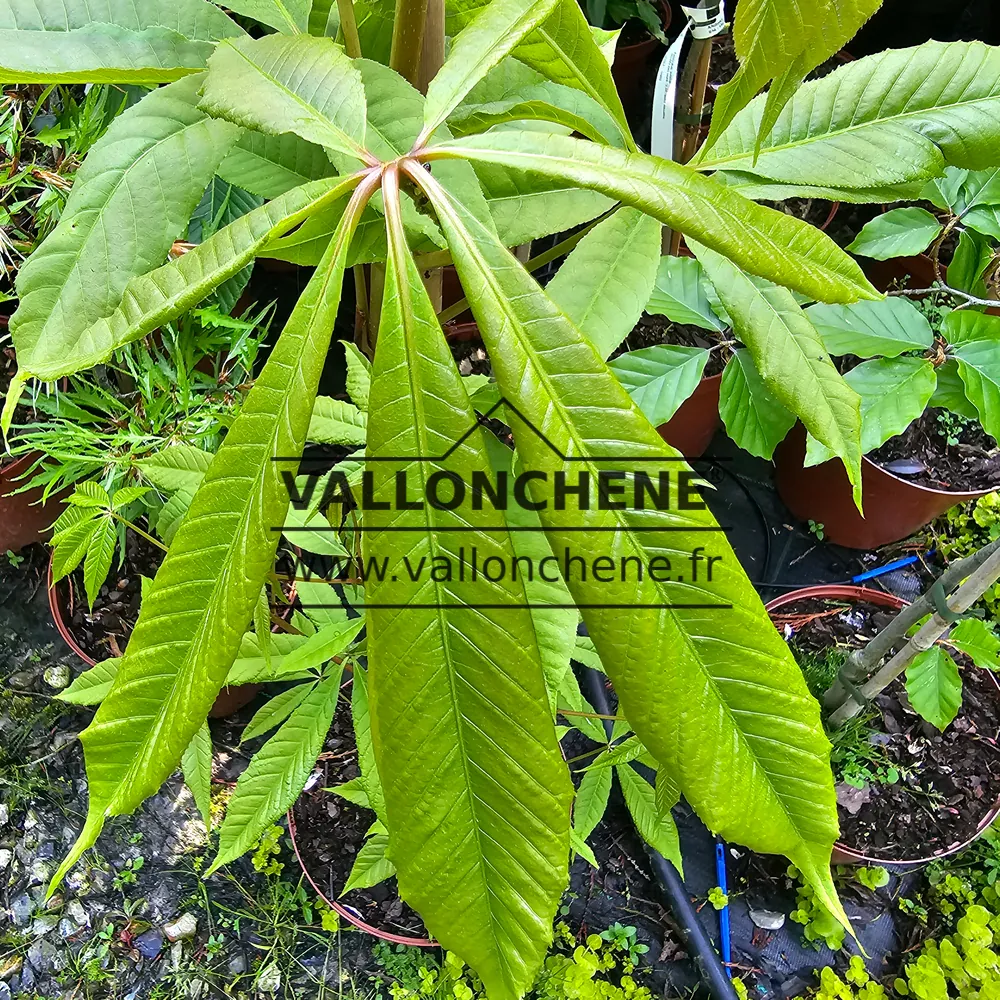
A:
(322, 118)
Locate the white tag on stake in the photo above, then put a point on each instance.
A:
(706, 22)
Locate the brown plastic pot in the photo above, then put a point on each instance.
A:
(843, 854)
(691, 429)
(23, 518)
(228, 701)
(894, 508)
(632, 61)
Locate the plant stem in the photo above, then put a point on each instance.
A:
(432, 50)
(349, 26)
(982, 571)
(138, 530)
(408, 38)
(970, 300)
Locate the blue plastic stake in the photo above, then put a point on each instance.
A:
(725, 941)
(873, 573)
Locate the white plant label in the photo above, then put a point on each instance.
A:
(704, 22)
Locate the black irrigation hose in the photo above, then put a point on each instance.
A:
(696, 939)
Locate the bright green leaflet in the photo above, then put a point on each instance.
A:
(196, 764)
(150, 300)
(288, 16)
(605, 282)
(761, 240)
(93, 685)
(979, 367)
(893, 391)
(335, 421)
(754, 418)
(659, 831)
(193, 620)
(487, 845)
(372, 864)
(591, 800)
(660, 378)
(783, 42)
(104, 239)
(270, 165)
(903, 232)
(275, 711)
(888, 328)
(179, 467)
(759, 777)
(934, 687)
(905, 114)
(278, 771)
(280, 84)
(791, 361)
(680, 294)
(100, 553)
(360, 713)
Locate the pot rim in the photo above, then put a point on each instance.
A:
(346, 912)
(850, 591)
(963, 495)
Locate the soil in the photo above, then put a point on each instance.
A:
(105, 631)
(329, 832)
(972, 464)
(949, 781)
(653, 330)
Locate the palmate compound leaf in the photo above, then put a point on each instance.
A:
(890, 119)
(194, 619)
(483, 817)
(119, 221)
(117, 41)
(152, 299)
(790, 359)
(708, 686)
(760, 240)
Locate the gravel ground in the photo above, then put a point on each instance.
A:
(134, 919)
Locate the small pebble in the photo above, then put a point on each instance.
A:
(77, 913)
(20, 909)
(41, 926)
(5, 858)
(57, 676)
(269, 980)
(183, 927)
(768, 920)
(4, 814)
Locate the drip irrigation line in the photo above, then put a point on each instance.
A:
(696, 940)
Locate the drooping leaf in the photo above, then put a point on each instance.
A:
(888, 328)
(193, 621)
(791, 361)
(361, 716)
(889, 119)
(497, 29)
(70, 545)
(893, 391)
(280, 84)
(680, 294)
(100, 553)
(372, 864)
(288, 16)
(783, 42)
(605, 282)
(274, 712)
(311, 531)
(119, 221)
(591, 800)
(67, 41)
(335, 421)
(93, 685)
(979, 640)
(483, 841)
(979, 368)
(270, 165)
(660, 378)
(754, 418)
(352, 791)
(758, 775)
(658, 830)
(196, 765)
(760, 240)
(324, 645)
(950, 391)
(251, 666)
(903, 232)
(934, 687)
(278, 772)
(971, 258)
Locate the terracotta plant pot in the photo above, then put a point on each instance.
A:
(691, 429)
(844, 853)
(632, 61)
(894, 508)
(23, 519)
(229, 700)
